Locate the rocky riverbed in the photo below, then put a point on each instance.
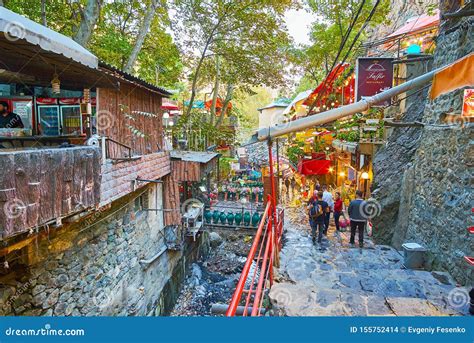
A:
(212, 281)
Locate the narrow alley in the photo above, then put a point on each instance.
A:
(342, 281)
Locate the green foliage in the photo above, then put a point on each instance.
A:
(327, 34)
(295, 152)
(246, 106)
(159, 60)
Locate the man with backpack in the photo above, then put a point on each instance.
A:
(317, 209)
(358, 219)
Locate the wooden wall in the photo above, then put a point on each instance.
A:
(186, 170)
(113, 121)
(172, 214)
(37, 186)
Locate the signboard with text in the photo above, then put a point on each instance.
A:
(373, 75)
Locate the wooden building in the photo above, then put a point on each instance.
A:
(49, 178)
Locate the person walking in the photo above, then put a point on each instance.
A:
(338, 210)
(316, 210)
(357, 218)
(327, 197)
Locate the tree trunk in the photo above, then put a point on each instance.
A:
(225, 104)
(89, 18)
(43, 13)
(145, 27)
(215, 93)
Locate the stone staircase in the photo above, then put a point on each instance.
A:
(343, 281)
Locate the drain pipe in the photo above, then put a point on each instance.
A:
(301, 124)
(222, 309)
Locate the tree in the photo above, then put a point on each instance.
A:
(89, 17)
(233, 31)
(341, 21)
(117, 36)
(141, 35)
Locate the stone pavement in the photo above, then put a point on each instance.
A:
(343, 281)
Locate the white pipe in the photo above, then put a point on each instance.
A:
(343, 111)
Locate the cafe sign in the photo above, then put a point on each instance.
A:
(373, 75)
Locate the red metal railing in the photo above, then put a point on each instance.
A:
(263, 255)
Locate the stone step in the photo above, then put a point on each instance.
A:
(307, 299)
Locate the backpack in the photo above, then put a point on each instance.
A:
(316, 211)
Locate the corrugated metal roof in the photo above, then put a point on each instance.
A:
(277, 103)
(193, 156)
(299, 97)
(133, 78)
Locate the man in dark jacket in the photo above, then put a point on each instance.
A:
(317, 209)
(9, 120)
(358, 219)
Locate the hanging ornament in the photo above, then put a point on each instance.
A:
(87, 95)
(56, 84)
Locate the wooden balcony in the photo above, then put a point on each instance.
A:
(41, 186)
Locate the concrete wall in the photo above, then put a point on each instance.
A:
(91, 267)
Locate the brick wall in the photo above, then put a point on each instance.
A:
(117, 177)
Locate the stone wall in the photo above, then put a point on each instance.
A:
(92, 267)
(431, 192)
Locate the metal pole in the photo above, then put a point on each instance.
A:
(278, 168)
(343, 111)
(272, 178)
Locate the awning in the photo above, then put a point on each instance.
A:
(314, 167)
(416, 24)
(193, 156)
(301, 96)
(32, 54)
(458, 75)
(17, 28)
(169, 105)
(327, 84)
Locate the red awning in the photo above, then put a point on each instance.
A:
(169, 105)
(327, 85)
(219, 105)
(314, 167)
(417, 24)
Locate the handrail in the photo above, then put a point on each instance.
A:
(262, 255)
(245, 271)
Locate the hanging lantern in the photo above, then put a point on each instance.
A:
(56, 84)
(86, 95)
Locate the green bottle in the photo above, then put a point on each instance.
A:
(238, 218)
(247, 218)
(223, 217)
(215, 217)
(230, 218)
(208, 216)
(255, 219)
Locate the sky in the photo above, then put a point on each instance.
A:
(299, 24)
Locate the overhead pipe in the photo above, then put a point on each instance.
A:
(343, 111)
